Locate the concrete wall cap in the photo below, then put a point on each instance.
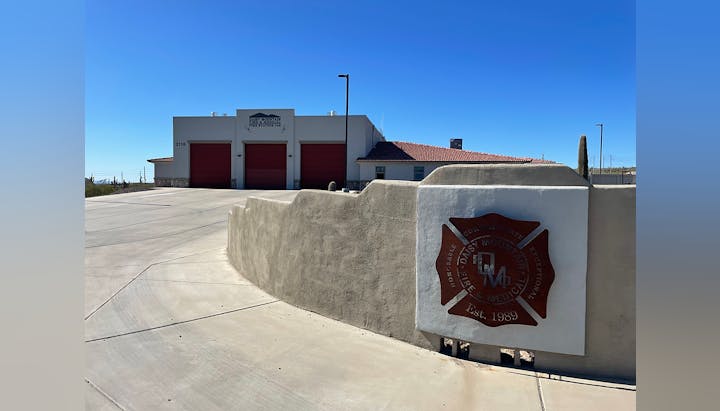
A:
(615, 186)
(509, 174)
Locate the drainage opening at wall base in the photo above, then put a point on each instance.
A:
(527, 359)
(507, 356)
(519, 358)
(446, 346)
(455, 348)
(464, 350)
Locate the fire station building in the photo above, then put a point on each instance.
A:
(265, 149)
(275, 149)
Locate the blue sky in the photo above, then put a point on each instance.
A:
(522, 78)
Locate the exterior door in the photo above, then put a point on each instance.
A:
(210, 165)
(320, 164)
(265, 166)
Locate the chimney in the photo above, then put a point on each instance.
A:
(456, 143)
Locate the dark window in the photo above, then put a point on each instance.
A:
(418, 173)
(380, 172)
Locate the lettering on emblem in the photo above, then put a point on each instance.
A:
(500, 278)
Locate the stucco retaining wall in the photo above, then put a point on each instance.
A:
(352, 257)
(346, 256)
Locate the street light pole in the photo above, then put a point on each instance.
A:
(601, 133)
(347, 94)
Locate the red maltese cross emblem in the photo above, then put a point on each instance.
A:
(497, 267)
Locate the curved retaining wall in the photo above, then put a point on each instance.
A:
(346, 256)
(351, 257)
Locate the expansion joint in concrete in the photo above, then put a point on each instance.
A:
(182, 322)
(136, 276)
(104, 394)
(162, 236)
(540, 392)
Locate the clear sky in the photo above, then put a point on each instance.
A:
(522, 78)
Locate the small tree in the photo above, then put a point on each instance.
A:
(583, 158)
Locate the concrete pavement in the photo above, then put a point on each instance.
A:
(171, 325)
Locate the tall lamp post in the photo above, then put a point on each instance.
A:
(601, 132)
(347, 92)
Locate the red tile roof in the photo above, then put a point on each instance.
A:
(403, 151)
(161, 160)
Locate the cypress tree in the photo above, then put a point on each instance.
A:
(583, 158)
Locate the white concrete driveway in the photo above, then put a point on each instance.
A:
(171, 325)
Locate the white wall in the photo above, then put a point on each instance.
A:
(164, 169)
(285, 133)
(197, 129)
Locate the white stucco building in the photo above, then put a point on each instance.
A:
(275, 149)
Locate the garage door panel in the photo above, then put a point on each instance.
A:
(210, 165)
(265, 166)
(320, 164)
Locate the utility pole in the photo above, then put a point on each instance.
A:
(347, 95)
(601, 135)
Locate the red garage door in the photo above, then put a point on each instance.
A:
(210, 165)
(320, 164)
(265, 166)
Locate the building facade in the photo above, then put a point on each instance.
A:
(265, 149)
(275, 149)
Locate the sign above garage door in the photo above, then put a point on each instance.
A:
(264, 120)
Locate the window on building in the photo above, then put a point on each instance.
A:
(418, 173)
(380, 172)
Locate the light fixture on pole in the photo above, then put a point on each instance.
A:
(347, 92)
(601, 133)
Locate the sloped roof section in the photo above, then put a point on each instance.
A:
(161, 160)
(404, 151)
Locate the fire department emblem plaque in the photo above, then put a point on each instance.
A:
(498, 267)
(503, 265)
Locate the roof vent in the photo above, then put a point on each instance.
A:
(213, 114)
(331, 113)
(456, 143)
